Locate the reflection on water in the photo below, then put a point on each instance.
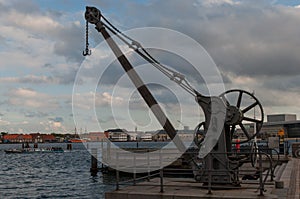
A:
(50, 175)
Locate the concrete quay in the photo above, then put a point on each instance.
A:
(185, 188)
(291, 181)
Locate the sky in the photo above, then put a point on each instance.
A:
(254, 43)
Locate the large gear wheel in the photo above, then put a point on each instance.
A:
(243, 111)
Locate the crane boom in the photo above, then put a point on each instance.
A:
(93, 16)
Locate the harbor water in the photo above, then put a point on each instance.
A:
(50, 175)
(56, 175)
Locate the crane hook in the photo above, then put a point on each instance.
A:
(87, 51)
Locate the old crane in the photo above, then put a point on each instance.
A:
(222, 114)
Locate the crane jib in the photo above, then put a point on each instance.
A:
(142, 88)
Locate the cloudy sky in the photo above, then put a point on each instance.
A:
(254, 43)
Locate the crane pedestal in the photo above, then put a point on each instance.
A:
(217, 169)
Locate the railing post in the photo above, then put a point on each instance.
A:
(261, 184)
(148, 163)
(117, 172)
(108, 146)
(134, 169)
(94, 162)
(103, 158)
(209, 173)
(161, 174)
(272, 170)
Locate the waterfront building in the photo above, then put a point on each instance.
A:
(118, 135)
(133, 136)
(185, 135)
(160, 135)
(24, 138)
(94, 136)
(10, 138)
(34, 137)
(146, 137)
(286, 123)
(276, 124)
(16, 138)
(39, 137)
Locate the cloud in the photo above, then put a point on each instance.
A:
(33, 79)
(89, 99)
(255, 44)
(33, 38)
(56, 123)
(56, 119)
(243, 38)
(217, 2)
(71, 42)
(35, 22)
(29, 98)
(37, 114)
(4, 122)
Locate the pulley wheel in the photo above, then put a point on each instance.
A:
(244, 113)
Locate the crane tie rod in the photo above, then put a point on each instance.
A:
(136, 46)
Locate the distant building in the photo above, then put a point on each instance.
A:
(36, 137)
(160, 135)
(17, 138)
(186, 134)
(186, 128)
(39, 137)
(118, 135)
(95, 136)
(146, 137)
(281, 118)
(24, 138)
(48, 138)
(13, 138)
(133, 136)
(286, 123)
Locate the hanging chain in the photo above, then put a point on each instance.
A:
(87, 51)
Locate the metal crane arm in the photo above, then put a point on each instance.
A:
(93, 16)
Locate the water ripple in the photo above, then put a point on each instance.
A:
(49, 175)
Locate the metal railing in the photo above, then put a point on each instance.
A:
(263, 174)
